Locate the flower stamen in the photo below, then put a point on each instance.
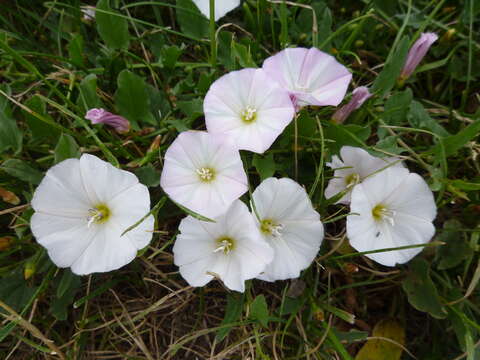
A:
(249, 115)
(270, 227)
(352, 180)
(382, 213)
(226, 245)
(206, 174)
(98, 215)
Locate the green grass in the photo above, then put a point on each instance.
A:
(54, 66)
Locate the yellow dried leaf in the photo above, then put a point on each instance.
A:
(9, 197)
(377, 348)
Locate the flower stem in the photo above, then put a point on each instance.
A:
(213, 40)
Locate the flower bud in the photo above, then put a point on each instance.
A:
(97, 116)
(417, 53)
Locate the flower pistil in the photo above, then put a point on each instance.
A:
(249, 115)
(98, 214)
(381, 213)
(225, 244)
(270, 227)
(206, 174)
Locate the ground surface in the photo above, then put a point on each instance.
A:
(54, 66)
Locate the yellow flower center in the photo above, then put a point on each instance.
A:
(98, 214)
(352, 180)
(225, 244)
(381, 213)
(249, 115)
(271, 227)
(206, 174)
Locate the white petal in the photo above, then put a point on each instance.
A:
(107, 251)
(312, 76)
(356, 161)
(129, 207)
(286, 203)
(103, 181)
(61, 191)
(237, 91)
(222, 7)
(413, 197)
(65, 238)
(412, 209)
(194, 249)
(191, 151)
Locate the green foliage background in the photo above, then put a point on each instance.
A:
(152, 62)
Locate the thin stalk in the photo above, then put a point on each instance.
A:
(213, 39)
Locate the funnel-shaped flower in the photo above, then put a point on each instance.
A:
(395, 208)
(249, 108)
(222, 7)
(359, 96)
(289, 223)
(311, 76)
(101, 116)
(356, 164)
(417, 53)
(203, 172)
(82, 207)
(230, 249)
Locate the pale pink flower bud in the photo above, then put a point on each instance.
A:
(417, 53)
(97, 116)
(359, 96)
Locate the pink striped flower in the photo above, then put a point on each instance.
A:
(359, 96)
(101, 116)
(417, 53)
(311, 76)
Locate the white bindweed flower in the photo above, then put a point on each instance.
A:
(290, 224)
(222, 7)
(230, 249)
(395, 208)
(203, 172)
(356, 164)
(311, 76)
(249, 108)
(82, 207)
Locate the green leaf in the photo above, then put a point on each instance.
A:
(379, 349)
(15, 291)
(243, 55)
(41, 131)
(113, 29)
(148, 175)
(396, 109)
(65, 282)
(66, 148)
(191, 20)
(265, 165)
(465, 185)
(193, 109)
(232, 314)
(259, 310)
(419, 118)
(340, 135)
(132, 98)
(421, 291)
(391, 71)
(75, 50)
(456, 248)
(10, 134)
(21, 170)
(89, 98)
(67, 288)
(390, 145)
(170, 55)
(455, 142)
